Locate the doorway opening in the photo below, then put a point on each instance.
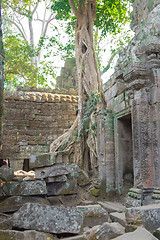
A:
(125, 152)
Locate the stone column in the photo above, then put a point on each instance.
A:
(109, 152)
(105, 146)
(142, 146)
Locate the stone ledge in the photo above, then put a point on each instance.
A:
(40, 97)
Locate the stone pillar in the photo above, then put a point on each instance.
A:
(105, 147)
(109, 152)
(101, 151)
(142, 145)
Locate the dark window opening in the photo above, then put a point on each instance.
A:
(26, 165)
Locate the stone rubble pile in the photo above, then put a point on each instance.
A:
(46, 204)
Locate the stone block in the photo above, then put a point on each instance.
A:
(25, 235)
(156, 233)
(132, 202)
(42, 160)
(118, 217)
(112, 207)
(62, 188)
(6, 173)
(93, 214)
(140, 234)
(52, 171)
(50, 219)
(105, 231)
(12, 204)
(23, 188)
(79, 237)
(147, 216)
(61, 178)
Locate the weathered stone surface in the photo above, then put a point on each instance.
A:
(93, 214)
(148, 216)
(52, 171)
(139, 234)
(62, 178)
(5, 222)
(95, 192)
(118, 217)
(112, 207)
(83, 178)
(6, 173)
(14, 203)
(62, 188)
(106, 231)
(48, 218)
(157, 233)
(23, 188)
(79, 237)
(42, 160)
(26, 235)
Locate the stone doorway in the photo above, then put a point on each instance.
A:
(124, 168)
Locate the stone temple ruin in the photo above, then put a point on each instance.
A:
(42, 200)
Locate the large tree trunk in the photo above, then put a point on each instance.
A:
(89, 83)
(1, 79)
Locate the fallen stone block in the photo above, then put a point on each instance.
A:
(23, 188)
(62, 188)
(93, 214)
(118, 217)
(79, 237)
(5, 222)
(147, 216)
(26, 235)
(50, 219)
(105, 231)
(12, 204)
(6, 173)
(138, 234)
(157, 233)
(42, 160)
(21, 174)
(52, 171)
(112, 207)
(62, 178)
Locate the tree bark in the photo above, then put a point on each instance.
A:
(88, 80)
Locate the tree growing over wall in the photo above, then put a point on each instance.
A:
(1, 78)
(107, 16)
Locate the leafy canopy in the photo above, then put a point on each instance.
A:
(18, 67)
(111, 15)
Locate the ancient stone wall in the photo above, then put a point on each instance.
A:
(133, 97)
(32, 121)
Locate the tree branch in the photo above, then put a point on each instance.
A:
(11, 21)
(34, 9)
(74, 9)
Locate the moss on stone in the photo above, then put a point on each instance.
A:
(95, 192)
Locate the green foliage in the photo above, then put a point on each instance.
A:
(111, 17)
(19, 6)
(89, 107)
(110, 14)
(18, 67)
